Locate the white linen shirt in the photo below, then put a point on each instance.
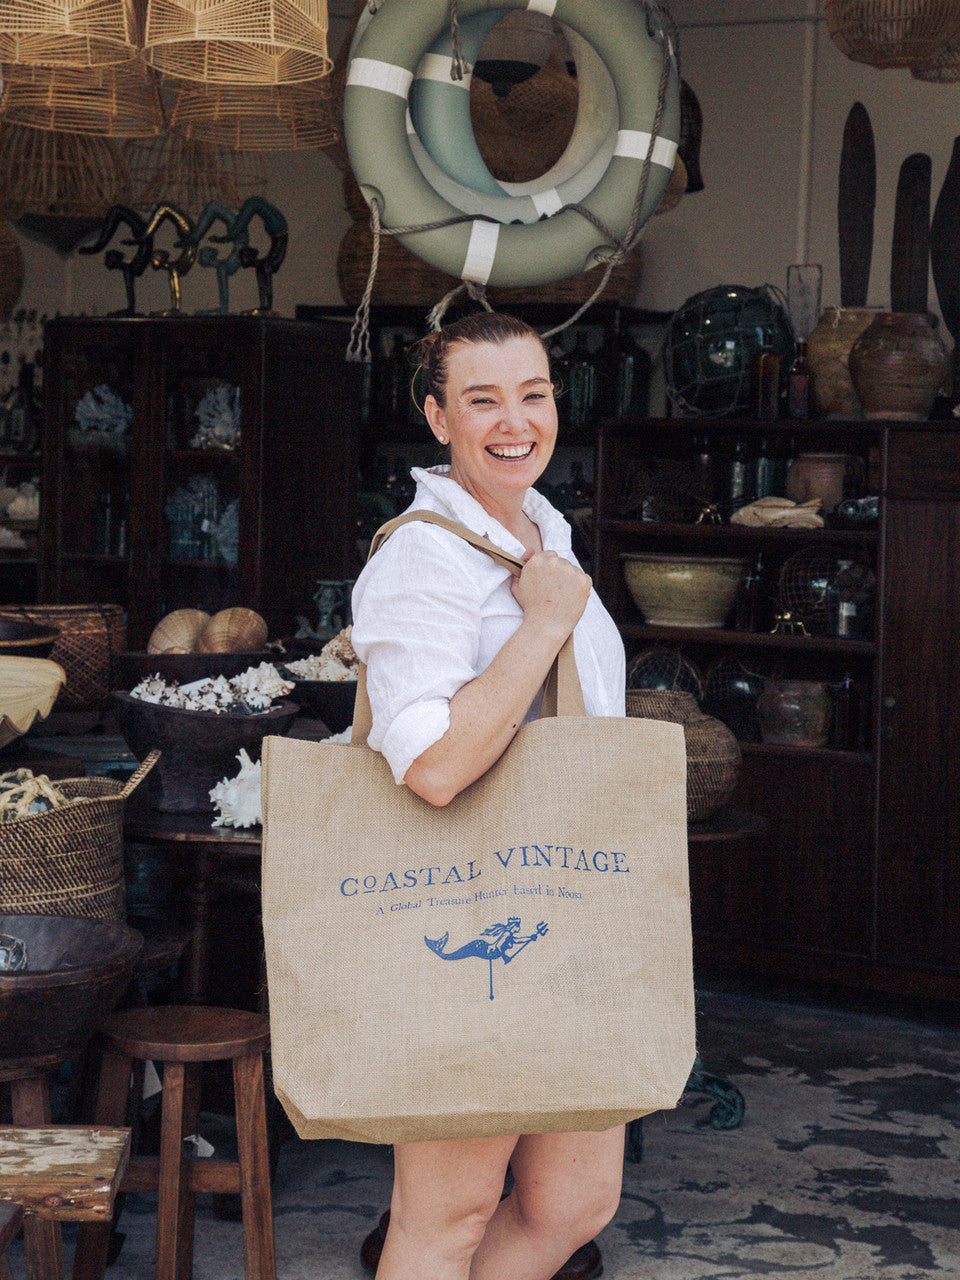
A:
(431, 612)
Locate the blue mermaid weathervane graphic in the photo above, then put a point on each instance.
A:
(498, 942)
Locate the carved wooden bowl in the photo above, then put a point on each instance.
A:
(76, 970)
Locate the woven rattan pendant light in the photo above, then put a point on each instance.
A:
(67, 33)
(57, 185)
(255, 117)
(189, 173)
(108, 102)
(238, 41)
(893, 33)
(942, 68)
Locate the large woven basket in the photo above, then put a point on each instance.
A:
(69, 861)
(713, 753)
(92, 636)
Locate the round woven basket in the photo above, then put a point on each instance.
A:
(92, 636)
(892, 33)
(713, 753)
(69, 861)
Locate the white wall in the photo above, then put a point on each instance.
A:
(775, 93)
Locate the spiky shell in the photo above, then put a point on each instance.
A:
(231, 631)
(177, 631)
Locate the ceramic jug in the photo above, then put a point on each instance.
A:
(795, 712)
(824, 476)
(828, 350)
(898, 364)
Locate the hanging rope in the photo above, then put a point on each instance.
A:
(659, 21)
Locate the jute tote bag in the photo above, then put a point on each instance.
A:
(516, 962)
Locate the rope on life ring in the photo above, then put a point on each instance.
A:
(601, 227)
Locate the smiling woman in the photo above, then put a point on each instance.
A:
(457, 650)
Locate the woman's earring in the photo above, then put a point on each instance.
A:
(442, 439)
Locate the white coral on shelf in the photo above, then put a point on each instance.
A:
(237, 800)
(103, 410)
(253, 690)
(219, 416)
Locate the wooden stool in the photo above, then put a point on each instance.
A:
(30, 1107)
(183, 1037)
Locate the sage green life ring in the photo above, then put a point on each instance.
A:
(441, 139)
(379, 77)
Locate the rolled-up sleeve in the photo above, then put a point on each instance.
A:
(417, 620)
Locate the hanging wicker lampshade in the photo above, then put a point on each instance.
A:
(67, 33)
(109, 102)
(189, 173)
(238, 41)
(255, 117)
(942, 68)
(57, 186)
(892, 33)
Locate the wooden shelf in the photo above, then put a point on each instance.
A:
(806, 753)
(656, 531)
(748, 639)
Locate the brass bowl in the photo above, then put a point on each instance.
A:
(682, 590)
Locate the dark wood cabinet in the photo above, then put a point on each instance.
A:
(856, 882)
(197, 462)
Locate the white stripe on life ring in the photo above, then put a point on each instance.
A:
(547, 203)
(369, 73)
(436, 66)
(542, 6)
(481, 251)
(635, 144)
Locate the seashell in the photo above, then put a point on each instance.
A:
(177, 632)
(231, 630)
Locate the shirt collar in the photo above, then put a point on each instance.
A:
(459, 505)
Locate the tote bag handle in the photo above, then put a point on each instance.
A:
(562, 694)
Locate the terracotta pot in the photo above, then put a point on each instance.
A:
(823, 476)
(828, 350)
(713, 753)
(795, 712)
(898, 364)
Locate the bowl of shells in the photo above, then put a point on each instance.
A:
(325, 683)
(190, 644)
(199, 728)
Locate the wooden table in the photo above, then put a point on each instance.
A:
(199, 850)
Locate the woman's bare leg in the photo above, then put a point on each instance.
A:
(444, 1193)
(566, 1189)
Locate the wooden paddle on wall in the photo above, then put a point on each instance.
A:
(945, 253)
(856, 198)
(910, 250)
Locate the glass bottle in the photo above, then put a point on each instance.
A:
(103, 525)
(738, 476)
(703, 480)
(797, 394)
(752, 606)
(623, 375)
(394, 388)
(581, 387)
(847, 729)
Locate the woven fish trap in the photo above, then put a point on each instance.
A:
(522, 135)
(892, 33)
(11, 269)
(113, 102)
(255, 118)
(92, 636)
(68, 861)
(402, 277)
(68, 33)
(189, 173)
(713, 753)
(70, 174)
(238, 41)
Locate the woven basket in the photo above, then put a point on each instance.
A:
(403, 277)
(892, 33)
(92, 636)
(69, 861)
(942, 67)
(67, 33)
(189, 174)
(65, 174)
(713, 753)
